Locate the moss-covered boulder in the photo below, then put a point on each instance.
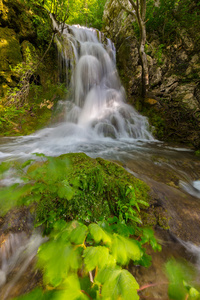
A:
(99, 189)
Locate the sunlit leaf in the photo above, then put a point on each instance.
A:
(97, 257)
(56, 259)
(70, 289)
(98, 234)
(78, 234)
(124, 249)
(5, 166)
(118, 284)
(178, 273)
(65, 190)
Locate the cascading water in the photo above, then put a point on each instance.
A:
(97, 119)
(98, 99)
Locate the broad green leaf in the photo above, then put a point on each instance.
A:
(70, 289)
(98, 234)
(12, 196)
(78, 234)
(124, 249)
(193, 293)
(65, 190)
(5, 166)
(97, 257)
(57, 258)
(178, 273)
(120, 285)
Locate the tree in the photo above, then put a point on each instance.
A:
(139, 12)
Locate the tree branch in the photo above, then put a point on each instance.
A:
(126, 9)
(133, 4)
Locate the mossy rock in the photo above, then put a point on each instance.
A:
(100, 187)
(10, 54)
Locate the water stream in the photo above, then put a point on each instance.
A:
(98, 121)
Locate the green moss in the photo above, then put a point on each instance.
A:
(197, 153)
(156, 121)
(99, 186)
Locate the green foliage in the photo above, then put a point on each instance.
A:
(74, 186)
(86, 262)
(169, 16)
(157, 122)
(79, 261)
(197, 153)
(181, 281)
(88, 13)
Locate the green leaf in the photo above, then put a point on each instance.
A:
(5, 166)
(39, 154)
(148, 237)
(65, 190)
(57, 259)
(27, 163)
(98, 234)
(178, 273)
(78, 234)
(143, 202)
(124, 249)
(97, 257)
(118, 284)
(70, 290)
(193, 293)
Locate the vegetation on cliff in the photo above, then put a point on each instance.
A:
(172, 50)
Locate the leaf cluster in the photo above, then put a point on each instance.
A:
(87, 262)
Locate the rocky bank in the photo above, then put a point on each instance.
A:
(173, 100)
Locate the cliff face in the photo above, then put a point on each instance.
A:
(25, 34)
(173, 100)
(17, 26)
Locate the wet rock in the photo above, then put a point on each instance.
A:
(17, 220)
(183, 210)
(174, 71)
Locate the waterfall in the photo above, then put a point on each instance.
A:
(95, 117)
(97, 103)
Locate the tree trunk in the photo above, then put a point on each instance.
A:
(139, 6)
(143, 57)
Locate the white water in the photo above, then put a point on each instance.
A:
(16, 254)
(97, 115)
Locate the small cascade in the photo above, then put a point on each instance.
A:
(97, 99)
